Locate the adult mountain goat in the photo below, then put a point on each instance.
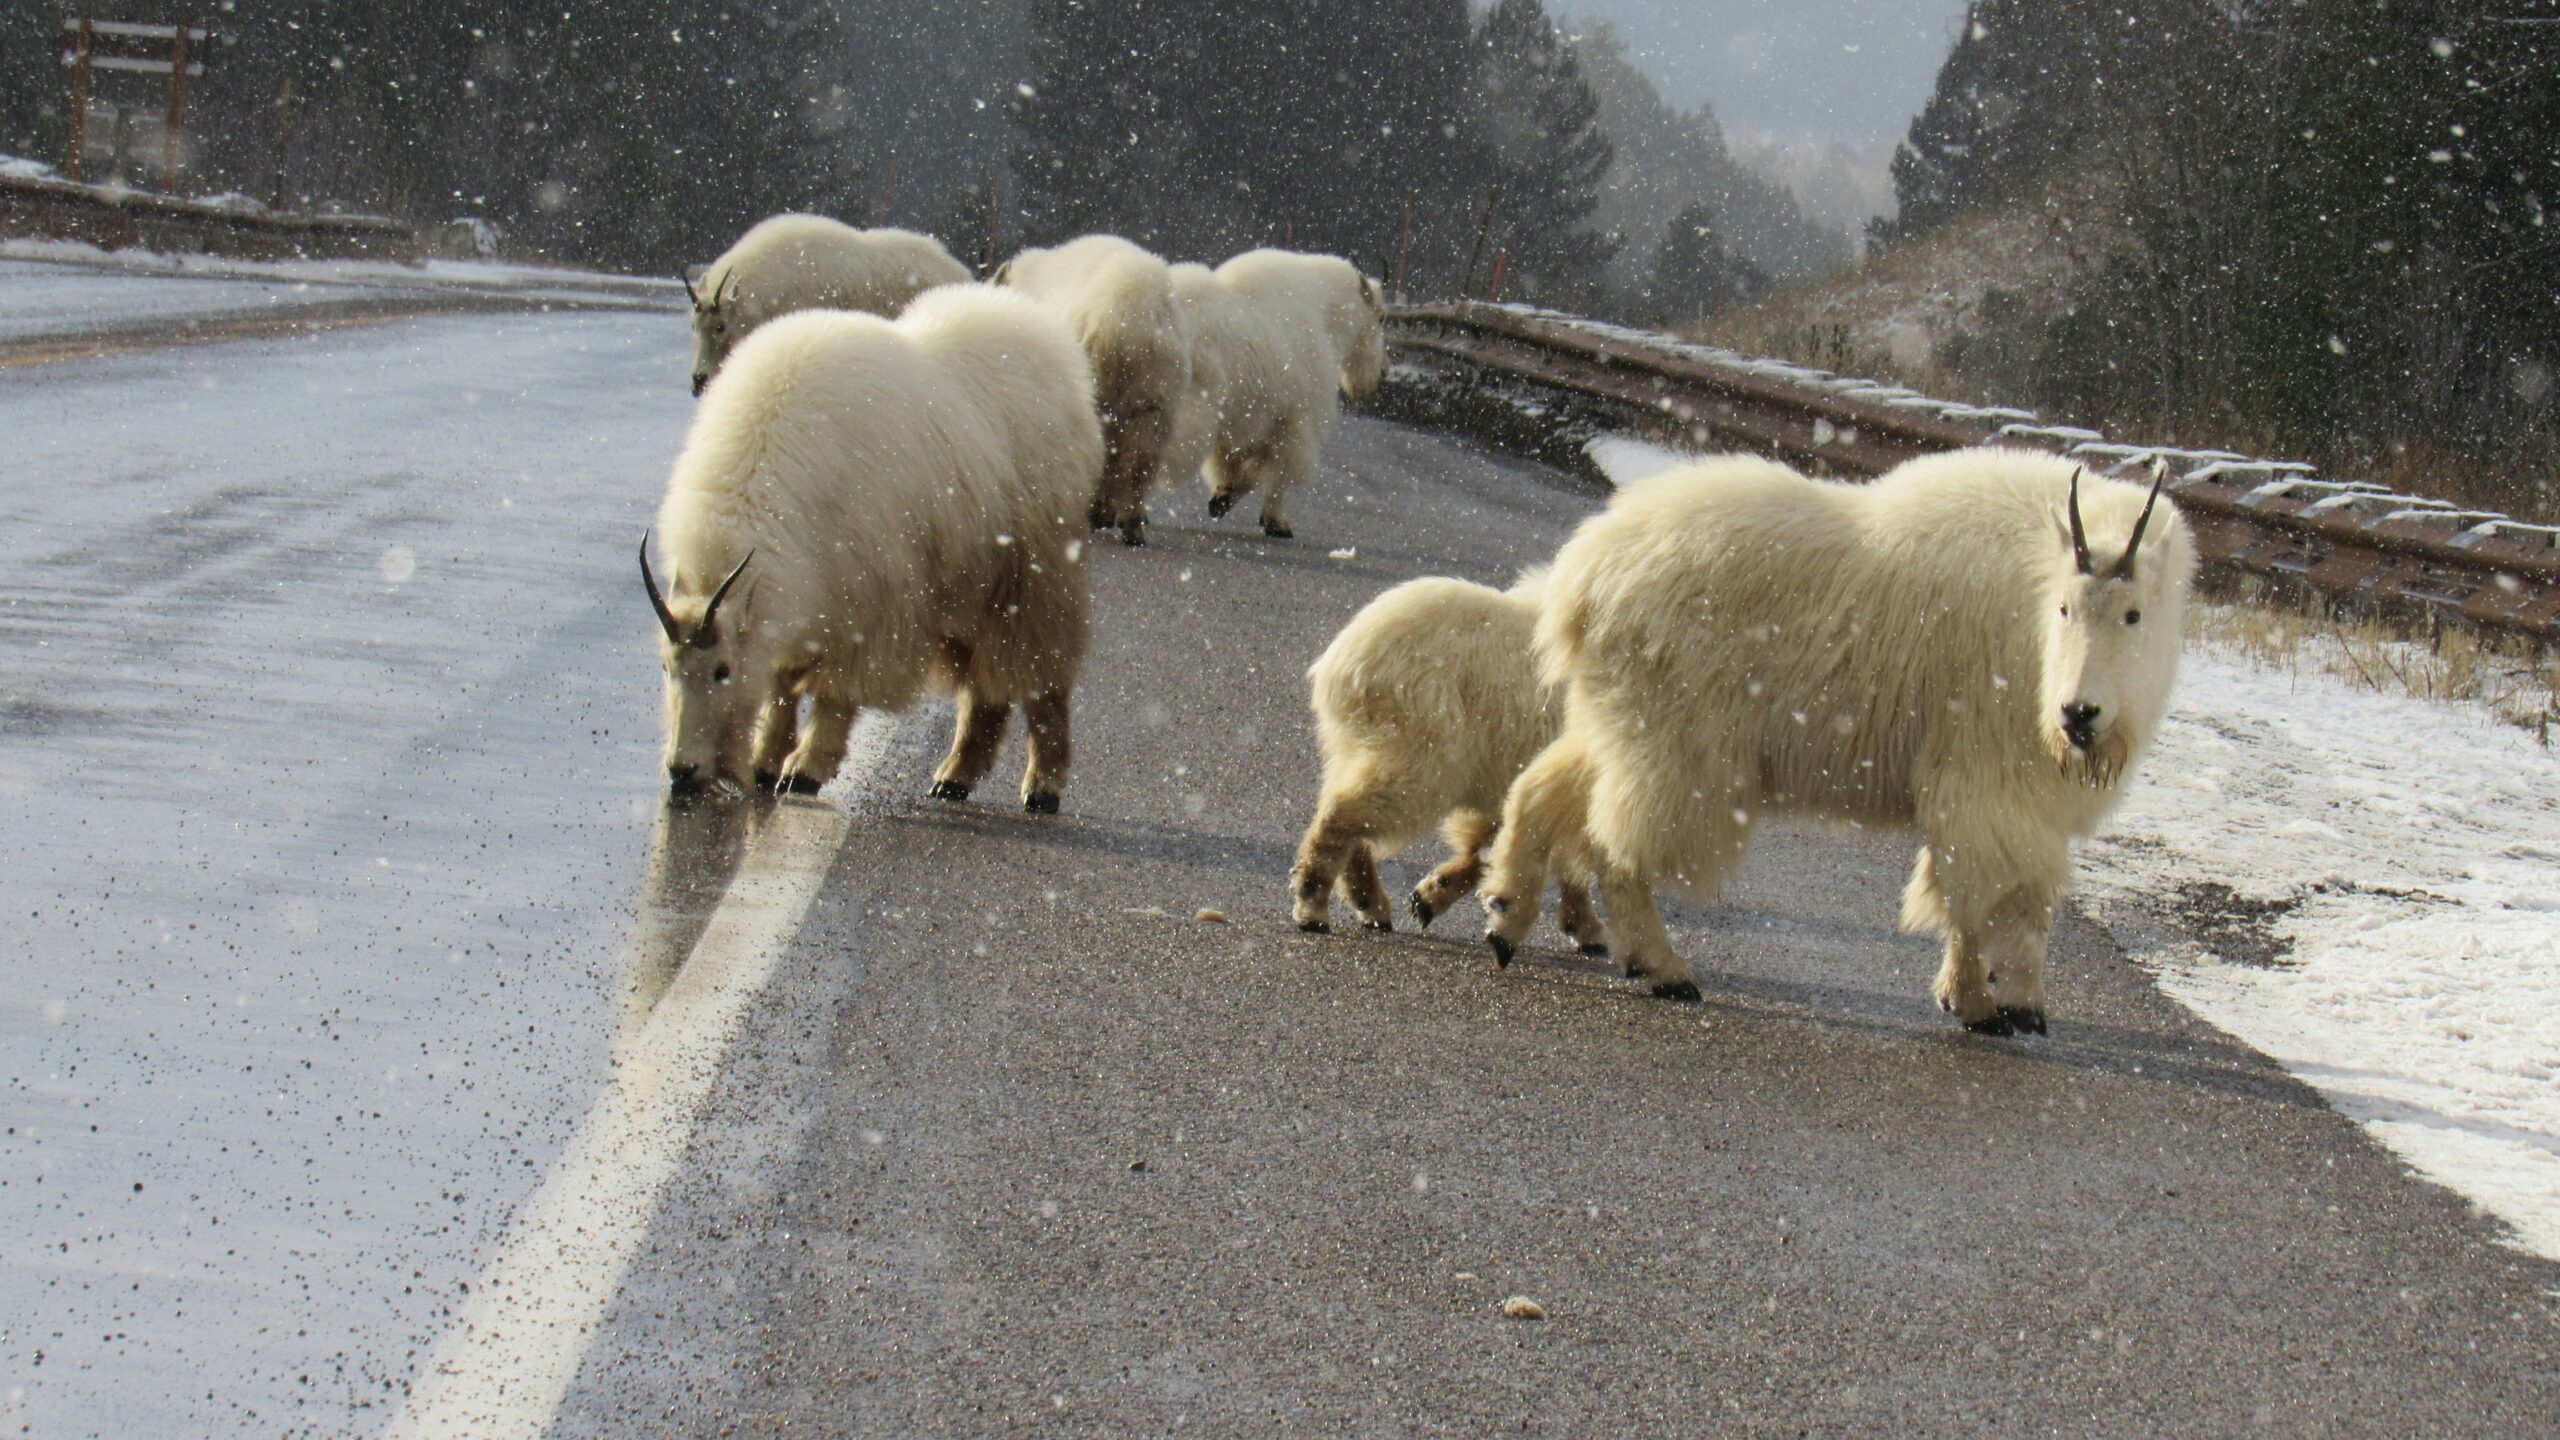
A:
(807, 262)
(1979, 644)
(1425, 714)
(1118, 299)
(1278, 339)
(866, 507)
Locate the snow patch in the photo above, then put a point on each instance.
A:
(1625, 460)
(2391, 864)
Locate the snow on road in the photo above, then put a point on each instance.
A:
(2366, 889)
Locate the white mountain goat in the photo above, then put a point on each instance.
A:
(1278, 339)
(1118, 299)
(866, 507)
(807, 262)
(1979, 644)
(1425, 710)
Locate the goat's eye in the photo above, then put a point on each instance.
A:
(2133, 617)
(721, 674)
(2066, 612)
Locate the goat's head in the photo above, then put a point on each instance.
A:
(715, 326)
(2114, 610)
(711, 701)
(1364, 362)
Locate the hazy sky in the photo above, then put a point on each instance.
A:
(1848, 70)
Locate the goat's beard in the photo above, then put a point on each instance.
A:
(2100, 766)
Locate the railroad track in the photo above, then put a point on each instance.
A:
(1546, 383)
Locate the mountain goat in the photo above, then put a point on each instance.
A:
(1277, 339)
(866, 507)
(1118, 298)
(807, 262)
(1979, 644)
(1423, 717)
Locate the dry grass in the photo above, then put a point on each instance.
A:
(2515, 681)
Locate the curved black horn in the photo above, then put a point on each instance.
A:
(657, 602)
(2079, 537)
(689, 293)
(2123, 568)
(723, 591)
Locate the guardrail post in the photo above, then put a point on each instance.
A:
(1499, 256)
(1404, 247)
(71, 164)
(177, 108)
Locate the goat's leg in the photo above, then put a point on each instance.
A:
(1468, 833)
(1344, 822)
(975, 733)
(1579, 922)
(1044, 773)
(1642, 939)
(820, 753)
(1546, 807)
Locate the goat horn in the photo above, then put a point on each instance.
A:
(2123, 568)
(657, 602)
(2079, 537)
(719, 594)
(689, 292)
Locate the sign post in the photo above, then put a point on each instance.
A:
(176, 51)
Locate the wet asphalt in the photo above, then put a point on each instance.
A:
(327, 733)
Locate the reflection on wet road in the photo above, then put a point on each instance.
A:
(327, 782)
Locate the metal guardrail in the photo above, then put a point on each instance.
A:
(2275, 520)
(114, 219)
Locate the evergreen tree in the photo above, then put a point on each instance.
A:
(1541, 125)
(1695, 277)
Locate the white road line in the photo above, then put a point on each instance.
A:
(503, 1368)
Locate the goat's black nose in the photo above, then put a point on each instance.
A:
(682, 778)
(2080, 723)
(699, 381)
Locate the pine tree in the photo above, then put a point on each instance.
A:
(1549, 156)
(1695, 275)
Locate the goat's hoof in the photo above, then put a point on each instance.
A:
(1220, 505)
(1594, 949)
(1502, 951)
(1497, 905)
(1684, 992)
(1995, 1023)
(1423, 914)
(1278, 532)
(767, 780)
(949, 790)
(1099, 517)
(1040, 802)
(798, 784)
(2022, 1020)
(1133, 535)
(1381, 923)
(1316, 927)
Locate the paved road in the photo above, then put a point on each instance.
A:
(331, 655)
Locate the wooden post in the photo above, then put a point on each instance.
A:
(1499, 256)
(1484, 227)
(80, 99)
(177, 108)
(888, 195)
(995, 201)
(1404, 247)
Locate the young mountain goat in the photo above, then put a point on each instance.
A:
(807, 262)
(1425, 715)
(1118, 298)
(865, 507)
(1277, 340)
(1979, 644)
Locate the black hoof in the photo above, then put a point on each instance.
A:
(1316, 927)
(1040, 802)
(1995, 1023)
(800, 785)
(1684, 992)
(767, 780)
(1279, 532)
(1099, 516)
(1594, 949)
(1220, 505)
(949, 790)
(1133, 535)
(1501, 951)
(1423, 914)
(2023, 1020)
(1387, 925)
